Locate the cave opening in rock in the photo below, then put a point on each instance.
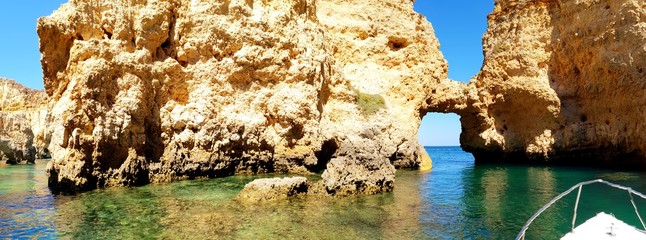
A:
(324, 156)
(438, 131)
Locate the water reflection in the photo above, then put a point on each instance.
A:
(510, 195)
(404, 219)
(26, 206)
(444, 215)
(494, 183)
(457, 200)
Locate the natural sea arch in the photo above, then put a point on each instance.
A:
(440, 129)
(459, 27)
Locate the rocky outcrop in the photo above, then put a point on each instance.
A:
(270, 189)
(24, 134)
(154, 91)
(563, 82)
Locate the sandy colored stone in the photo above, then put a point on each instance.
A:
(154, 91)
(270, 189)
(24, 134)
(562, 82)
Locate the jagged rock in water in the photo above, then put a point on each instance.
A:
(154, 91)
(24, 132)
(270, 189)
(562, 82)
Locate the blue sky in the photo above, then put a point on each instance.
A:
(19, 55)
(459, 25)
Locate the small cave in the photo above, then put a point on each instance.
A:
(584, 118)
(106, 33)
(324, 155)
(397, 43)
(166, 47)
(295, 132)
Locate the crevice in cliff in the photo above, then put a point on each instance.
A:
(323, 156)
(167, 46)
(325, 91)
(107, 33)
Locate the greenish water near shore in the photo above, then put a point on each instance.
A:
(457, 200)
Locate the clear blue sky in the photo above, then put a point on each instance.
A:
(19, 55)
(459, 25)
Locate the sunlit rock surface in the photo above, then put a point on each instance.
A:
(154, 91)
(144, 91)
(24, 134)
(270, 189)
(563, 82)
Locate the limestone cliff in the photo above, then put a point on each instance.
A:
(153, 91)
(24, 134)
(562, 82)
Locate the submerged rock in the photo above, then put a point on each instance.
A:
(268, 189)
(24, 134)
(154, 91)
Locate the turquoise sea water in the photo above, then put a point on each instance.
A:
(457, 200)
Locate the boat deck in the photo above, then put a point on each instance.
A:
(604, 226)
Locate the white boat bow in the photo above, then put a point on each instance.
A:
(601, 226)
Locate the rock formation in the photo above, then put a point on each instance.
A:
(563, 82)
(270, 189)
(154, 91)
(23, 130)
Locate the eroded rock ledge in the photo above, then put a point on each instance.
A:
(154, 91)
(24, 135)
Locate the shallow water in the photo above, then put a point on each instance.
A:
(457, 200)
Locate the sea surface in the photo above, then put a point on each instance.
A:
(456, 200)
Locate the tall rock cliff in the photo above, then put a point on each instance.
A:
(562, 82)
(24, 134)
(153, 91)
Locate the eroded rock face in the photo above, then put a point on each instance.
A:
(24, 135)
(154, 91)
(563, 82)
